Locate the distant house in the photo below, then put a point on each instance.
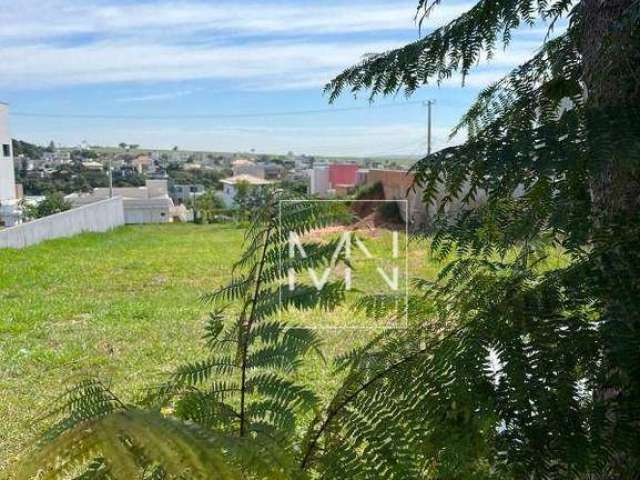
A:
(179, 156)
(341, 179)
(265, 170)
(319, 181)
(335, 179)
(242, 166)
(181, 193)
(142, 163)
(148, 204)
(192, 166)
(343, 174)
(57, 157)
(230, 186)
(271, 171)
(92, 165)
(303, 162)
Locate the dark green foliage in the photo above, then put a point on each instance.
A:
(497, 391)
(53, 203)
(455, 47)
(131, 179)
(250, 198)
(80, 155)
(27, 149)
(207, 206)
(208, 201)
(209, 178)
(295, 187)
(390, 212)
(68, 178)
(529, 371)
(370, 192)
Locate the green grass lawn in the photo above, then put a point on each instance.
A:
(125, 306)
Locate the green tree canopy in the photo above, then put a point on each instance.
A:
(53, 203)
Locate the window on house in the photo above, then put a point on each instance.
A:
(6, 151)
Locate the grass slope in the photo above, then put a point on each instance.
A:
(125, 306)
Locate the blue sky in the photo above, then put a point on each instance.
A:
(162, 61)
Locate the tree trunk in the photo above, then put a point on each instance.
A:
(611, 74)
(611, 63)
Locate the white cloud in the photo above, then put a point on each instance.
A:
(36, 19)
(155, 96)
(253, 65)
(262, 46)
(107, 62)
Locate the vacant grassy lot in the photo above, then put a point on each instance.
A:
(123, 306)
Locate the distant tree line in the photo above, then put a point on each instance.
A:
(27, 149)
(73, 177)
(209, 178)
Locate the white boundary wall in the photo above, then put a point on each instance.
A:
(95, 217)
(7, 180)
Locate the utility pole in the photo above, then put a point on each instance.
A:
(195, 211)
(428, 104)
(110, 177)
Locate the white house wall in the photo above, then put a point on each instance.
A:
(319, 181)
(7, 179)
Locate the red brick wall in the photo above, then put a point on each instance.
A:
(395, 182)
(343, 174)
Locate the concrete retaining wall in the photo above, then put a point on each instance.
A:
(95, 217)
(153, 210)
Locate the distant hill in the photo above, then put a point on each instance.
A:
(35, 151)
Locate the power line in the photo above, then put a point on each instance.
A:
(216, 116)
